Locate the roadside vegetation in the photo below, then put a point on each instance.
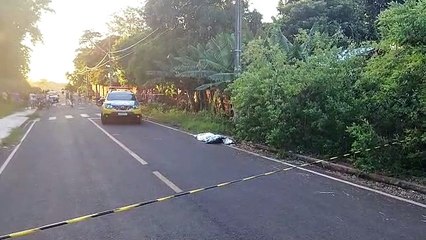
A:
(7, 108)
(189, 121)
(324, 78)
(13, 138)
(18, 21)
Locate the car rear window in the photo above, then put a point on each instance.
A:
(121, 96)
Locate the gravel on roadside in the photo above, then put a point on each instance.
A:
(387, 188)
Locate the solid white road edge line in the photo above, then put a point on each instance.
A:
(26, 124)
(12, 154)
(171, 128)
(307, 170)
(133, 154)
(169, 183)
(334, 178)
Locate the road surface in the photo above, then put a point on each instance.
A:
(68, 166)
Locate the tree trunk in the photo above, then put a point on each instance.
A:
(212, 102)
(222, 104)
(191, 100)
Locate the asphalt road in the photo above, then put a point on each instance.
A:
(67, 167)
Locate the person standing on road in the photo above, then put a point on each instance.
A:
(33, 100)
(71, 96)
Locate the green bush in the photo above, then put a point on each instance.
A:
(326, 105)
(392, 93)
(304, 106)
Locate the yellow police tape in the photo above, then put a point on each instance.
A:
(133, 206)
(396, 142)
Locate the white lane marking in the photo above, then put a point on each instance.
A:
(171, 128)
(98, 114)
(63, 104)
(333, 178)
(12, 154)
(84, 115)
(68, 116)
(307, 170)
(167, 182)
(52, 118)
(26, 124)
(133, 154)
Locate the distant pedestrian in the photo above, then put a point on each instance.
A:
(4, 96)
(33, 100)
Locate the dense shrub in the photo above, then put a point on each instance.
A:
(392, 93)
(306, 105)
(325, 104)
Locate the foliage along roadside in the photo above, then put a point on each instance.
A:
(325, 89)
(326, 105)
(18, 21)
(7, 108)
(193, 122)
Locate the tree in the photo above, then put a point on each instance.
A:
(375, 7)
(127, 23)
(304, 44)
(213, 62)
(357, 18)
(300, 105)
(18, 19)
(331, 16)
(392, 92)
(93, 61)
(410, 34)
(198, 20)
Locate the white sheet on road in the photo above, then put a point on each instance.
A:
(211, 138)
(8, 123)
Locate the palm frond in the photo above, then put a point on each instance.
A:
(222, 77)
(210, 85)
(196, 74)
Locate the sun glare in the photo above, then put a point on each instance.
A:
(62, 29)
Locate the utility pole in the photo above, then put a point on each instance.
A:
(238, 35)
(109, 62)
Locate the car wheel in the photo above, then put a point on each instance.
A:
(104, 121)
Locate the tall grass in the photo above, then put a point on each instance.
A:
(7, 108)
(192, 122)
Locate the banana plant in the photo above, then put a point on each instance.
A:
(212, 62)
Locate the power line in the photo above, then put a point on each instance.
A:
(135, 44)
(96, 45)
(97, 65)
(100, 64)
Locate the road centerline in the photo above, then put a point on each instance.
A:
(169, 183)
(301, 168)
(130, 152)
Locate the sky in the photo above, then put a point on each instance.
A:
(62, 29)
